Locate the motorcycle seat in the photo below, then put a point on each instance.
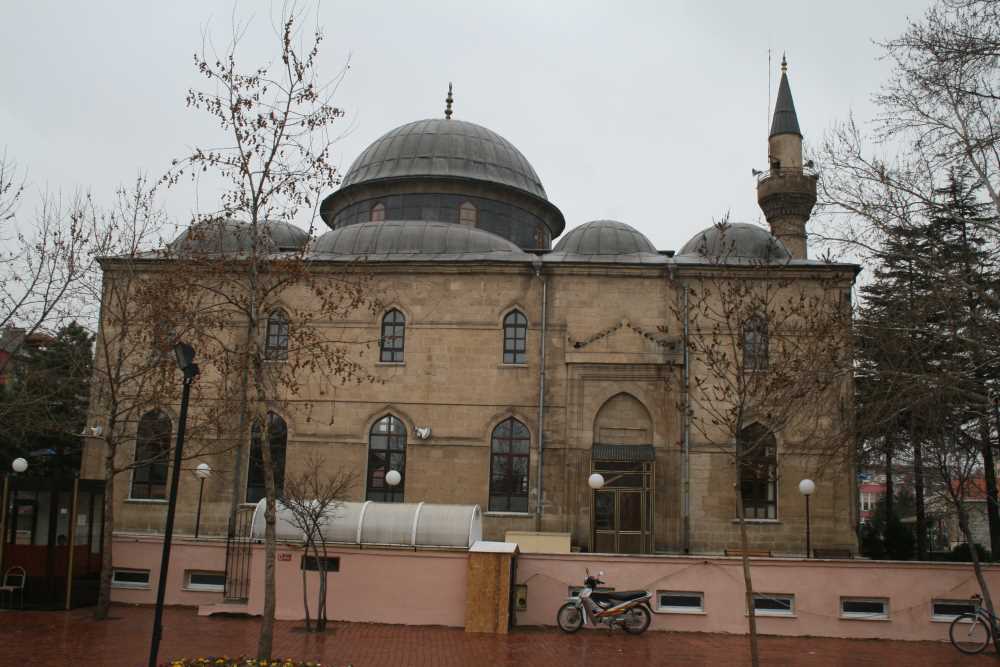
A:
(619, 596)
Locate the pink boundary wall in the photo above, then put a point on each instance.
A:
(817, 585)
(406, 587)
(428, 587)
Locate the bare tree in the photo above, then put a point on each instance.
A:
(769, 350)
(145, 309)
(313, 498)
(275, 164)
(45, 258)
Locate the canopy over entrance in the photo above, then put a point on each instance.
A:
(385, 524)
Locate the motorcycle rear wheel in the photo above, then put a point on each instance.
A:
(637, 619)
(569, 618)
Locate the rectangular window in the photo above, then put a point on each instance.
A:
(947, 610)
(864, 608)
(772, 604)
(311, 564)
(205, 581)
(122, 578)
(673, 602)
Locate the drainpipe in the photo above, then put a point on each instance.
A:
(541, 397)
(686, 465)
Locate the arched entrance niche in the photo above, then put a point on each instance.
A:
(622, 516)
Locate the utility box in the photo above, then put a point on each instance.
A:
(489, 587)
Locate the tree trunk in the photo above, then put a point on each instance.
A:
(107, 529)
(747, 582)
(990, 470)
(963, 524)
(266, 640)
(305, 591)
(244, 433)
(321, 608)
(889, 491)
(918, 492)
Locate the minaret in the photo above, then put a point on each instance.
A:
(787, 191)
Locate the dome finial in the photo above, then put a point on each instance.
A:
(784, 64)
(448, 100)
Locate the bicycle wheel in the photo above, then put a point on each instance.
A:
(569, 618)
(969, 633)
(637, 619)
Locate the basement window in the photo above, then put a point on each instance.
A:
(205, 581)
(947, 610)
(773, 604)
(866, 609)
(122, 578)
(574, 591)
(311, 564)
(673, 602)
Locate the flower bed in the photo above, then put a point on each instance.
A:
(226, 661)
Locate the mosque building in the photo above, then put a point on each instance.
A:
(515, 359)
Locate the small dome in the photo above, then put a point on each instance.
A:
(604, 237)
(416, 240)
(444, 148)
(737, 242)
(225, 236)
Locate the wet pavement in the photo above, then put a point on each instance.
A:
(75, 638)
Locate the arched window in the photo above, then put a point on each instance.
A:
(386, 451)
(509, 467)
(277, 432)
(758, 472)
(377, 213)
(515, 334)
(393, 334)
(152, 449)
(276, 345)
(468, 214)
(755, 344)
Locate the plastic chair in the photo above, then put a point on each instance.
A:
(13, 582)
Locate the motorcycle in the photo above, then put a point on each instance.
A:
(628, 609)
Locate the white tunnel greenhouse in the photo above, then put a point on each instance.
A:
(384, 524)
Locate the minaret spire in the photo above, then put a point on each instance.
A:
(785, 121)
(787, 191)
(448, 101)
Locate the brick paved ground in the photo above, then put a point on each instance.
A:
(74, 638)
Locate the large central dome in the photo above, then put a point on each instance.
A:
(448, 148)
(446, 170)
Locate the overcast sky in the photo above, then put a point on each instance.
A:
(652, 113)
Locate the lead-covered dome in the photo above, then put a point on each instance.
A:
(446, 170)
(227, 236)
(737, 242)
(445, 147)
(604, 237)
(418, 240)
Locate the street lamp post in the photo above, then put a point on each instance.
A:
(806, 488)
(393, 478)
(203, 471)
(185, 362)
(18, 465)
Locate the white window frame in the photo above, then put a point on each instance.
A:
(671, 609)
(779, 613)
(865, 616)
(948, 618)
(129, 584)
(210, 588)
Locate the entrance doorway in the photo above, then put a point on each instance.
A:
(623, 508)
